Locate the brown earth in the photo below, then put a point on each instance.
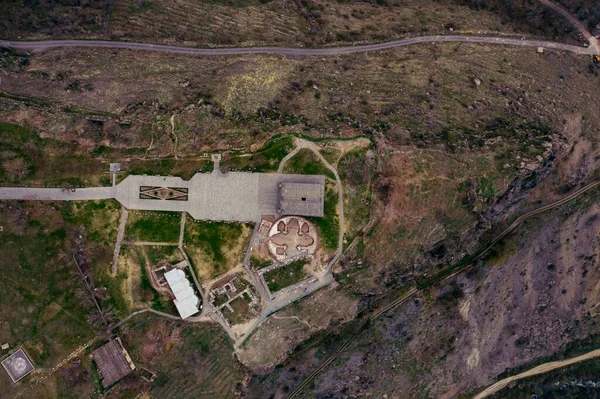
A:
(459, 337)
(279, 335)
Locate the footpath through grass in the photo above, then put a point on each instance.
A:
(305, 162)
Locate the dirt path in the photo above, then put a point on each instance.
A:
(288, 157)
(541, 369)
(151, 243)
(77, 352)
(276, 317)
(120, 235)
(175, 138)
(338, 182)
(182, 229)
(573, 21)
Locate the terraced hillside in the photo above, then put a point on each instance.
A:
(193, 360)
(280, 22)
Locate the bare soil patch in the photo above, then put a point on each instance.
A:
(279, 334)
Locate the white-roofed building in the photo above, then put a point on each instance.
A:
(186, 300)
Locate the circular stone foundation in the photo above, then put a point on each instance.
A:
(291, 236)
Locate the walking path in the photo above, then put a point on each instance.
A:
(294, 293)
(234, 196)
(541, 369)
(151, 243)
(182, 229)
(56, 194)
(120, 235)
(77, 352)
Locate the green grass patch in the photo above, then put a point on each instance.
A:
(264, 160)
(485, 188)
(211, 237)
(215, 247)
(287, 275)
(329, 224)
(160, 253)
(100, 219)
(357, 177)
(45, 308)
(241, 311)
(259, 263)
(305, 162)
(153, 226)
(159, 302)
(28, 159)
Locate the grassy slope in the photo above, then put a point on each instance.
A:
(357, 177)
(266, 159)
(44, 294)
(286, 275)
(153, 226)
(28, 159)
(197, 365)
(329, 225)
(306, 162)
(215, 247)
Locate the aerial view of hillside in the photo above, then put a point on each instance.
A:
(299, 199)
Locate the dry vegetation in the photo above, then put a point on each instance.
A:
(193, 360)
(279, 335)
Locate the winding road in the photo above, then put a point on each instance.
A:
(44, 45)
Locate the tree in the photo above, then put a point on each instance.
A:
(16, 168)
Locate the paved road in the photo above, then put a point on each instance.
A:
(292, 52)
(56, 194)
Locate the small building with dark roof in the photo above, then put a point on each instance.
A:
(302, 199)
(113, 362)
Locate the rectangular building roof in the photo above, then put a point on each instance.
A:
(302, 199)
(113, 362)
(186, 300)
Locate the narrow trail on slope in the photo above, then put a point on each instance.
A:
(175, 138)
